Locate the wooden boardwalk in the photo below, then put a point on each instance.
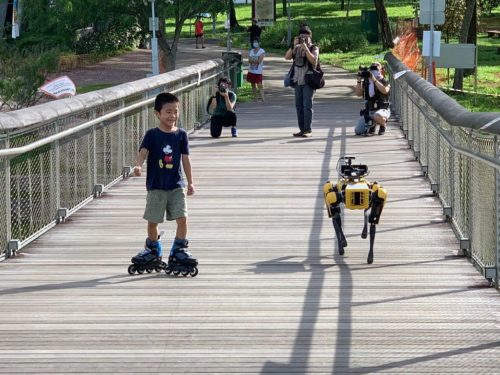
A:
(271, 295)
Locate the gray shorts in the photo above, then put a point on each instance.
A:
(384, 113)
(169, 202)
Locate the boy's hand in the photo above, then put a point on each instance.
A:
(137, 171)
(190, 189)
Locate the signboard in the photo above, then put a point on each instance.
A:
(461, 56)
(157, 24)
(426, 43)
(58, 88)
(439, 5)
(264, 12)
(424, 18)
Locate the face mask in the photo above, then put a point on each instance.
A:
(255, 45)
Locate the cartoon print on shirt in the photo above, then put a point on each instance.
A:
(167, 160)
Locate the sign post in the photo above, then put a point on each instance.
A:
(154, 41)
(432, 13)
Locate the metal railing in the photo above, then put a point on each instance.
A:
(56, 157)
(459, 153)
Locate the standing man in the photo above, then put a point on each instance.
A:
(254, 31)
(198, 32)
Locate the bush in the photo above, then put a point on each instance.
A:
(22, 73)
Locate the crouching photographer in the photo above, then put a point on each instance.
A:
(221, 107)
(374, 89)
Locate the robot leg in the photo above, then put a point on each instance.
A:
(379, 197)
(339, 233)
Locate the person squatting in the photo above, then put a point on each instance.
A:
(221, 107)
(372, 86)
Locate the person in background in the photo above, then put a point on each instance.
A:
(305, 55)
(256, 70)
(254, 31)
(221, 107)
(378, 100)
(198, 32)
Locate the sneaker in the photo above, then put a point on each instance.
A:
(371, 130)
(234, 132)
(203, 47)
(299, 134)
(381, 130)
(307, 133)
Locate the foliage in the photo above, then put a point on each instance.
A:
(22, 73)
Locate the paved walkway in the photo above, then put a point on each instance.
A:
(272, 296)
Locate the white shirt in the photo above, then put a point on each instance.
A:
(254, 56)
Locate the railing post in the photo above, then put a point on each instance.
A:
(8, 220)
(497, 204)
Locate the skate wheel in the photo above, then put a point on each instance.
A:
(177, 272)
(149, 270)
(168, 270)
(132, 269)
(185, 273)
(158, 269)
(193, 272)
(140, 271)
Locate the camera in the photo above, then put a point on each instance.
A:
(222, 88)
(301, 40)
(364, 72)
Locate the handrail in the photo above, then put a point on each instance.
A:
(452, 112)
(31, 146)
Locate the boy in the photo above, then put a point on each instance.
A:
(165, 147)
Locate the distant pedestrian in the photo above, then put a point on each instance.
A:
(198, 32)
(254, 31)
(256, 70)
(305, 55)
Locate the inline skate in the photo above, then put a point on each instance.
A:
(181, 261)
(148, 260)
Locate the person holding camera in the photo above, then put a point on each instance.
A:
(221, 107)
(372, 86)
(305, 56)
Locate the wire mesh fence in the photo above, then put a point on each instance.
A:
(45, 182)
(461, 163)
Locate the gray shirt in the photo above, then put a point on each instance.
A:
(301, 65)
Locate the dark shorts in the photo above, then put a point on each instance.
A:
(254, 78)
(198, 35)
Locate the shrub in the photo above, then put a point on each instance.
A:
(22, 72)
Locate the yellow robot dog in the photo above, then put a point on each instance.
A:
(356, 194)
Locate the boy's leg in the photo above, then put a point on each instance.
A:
(152, 231)
(203, 41)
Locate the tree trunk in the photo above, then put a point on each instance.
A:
(342, 5)
(472, 38)
(458, 80)
(285, 12)
(167, 52)
(233, 22)
(383, 21)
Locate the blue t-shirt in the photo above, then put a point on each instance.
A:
(164, 170)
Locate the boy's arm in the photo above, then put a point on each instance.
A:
(141, 156)
(186, 166)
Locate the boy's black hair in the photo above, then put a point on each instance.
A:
(164, 98)
(224, 79)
